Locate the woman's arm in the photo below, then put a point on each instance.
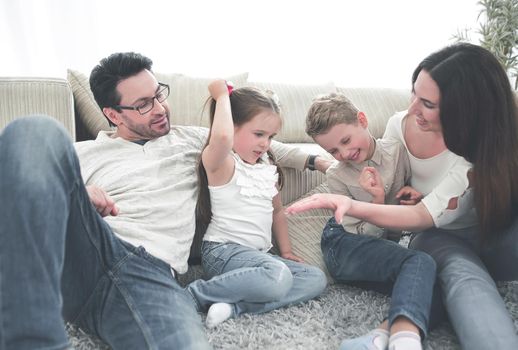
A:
(280, 230)
(395, 217)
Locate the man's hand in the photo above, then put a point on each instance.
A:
(102, 202)
(409, 196)
(322, 163)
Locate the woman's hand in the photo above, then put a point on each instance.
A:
(409, 196)
(336, 202)
(370, 180)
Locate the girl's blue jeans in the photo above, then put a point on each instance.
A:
(60, 261)
(377, 263)
(253, 281)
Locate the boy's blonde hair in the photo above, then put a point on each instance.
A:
(329, 110)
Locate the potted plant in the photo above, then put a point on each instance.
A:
(498, 32)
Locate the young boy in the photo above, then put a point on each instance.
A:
(375, 171)
(368, 170)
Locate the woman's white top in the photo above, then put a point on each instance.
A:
(439, 178)
(242, 209)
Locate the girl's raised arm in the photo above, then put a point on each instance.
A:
(216, 155)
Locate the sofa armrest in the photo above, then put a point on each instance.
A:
(29, 96)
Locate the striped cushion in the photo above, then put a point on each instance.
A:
(88, 113)
(29, 96)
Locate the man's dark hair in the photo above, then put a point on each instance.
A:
(110, 71)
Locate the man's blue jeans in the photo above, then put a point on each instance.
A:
(253, 281)
(410, 274)
(466, 270)
(59, 260)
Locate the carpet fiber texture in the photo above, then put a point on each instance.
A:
(340, 312)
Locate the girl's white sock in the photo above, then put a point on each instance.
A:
(218, 313)
(376, 339)
(405, 340)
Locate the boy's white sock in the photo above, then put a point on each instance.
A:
(376, 339)
(218, 313)
(405, 340)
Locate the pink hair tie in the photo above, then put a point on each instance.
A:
(230, 87)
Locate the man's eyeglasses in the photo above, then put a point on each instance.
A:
(148, 104)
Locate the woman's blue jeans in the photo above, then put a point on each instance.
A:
(466, 270)
(59, 260)
(253, 281)
(377, 263)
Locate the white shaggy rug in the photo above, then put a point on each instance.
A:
(340, 312)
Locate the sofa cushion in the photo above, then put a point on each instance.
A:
(186, 100)
(295, 101)
(88, 113)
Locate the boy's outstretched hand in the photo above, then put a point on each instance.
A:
(338, 203)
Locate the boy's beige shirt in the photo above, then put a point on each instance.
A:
(391, 160)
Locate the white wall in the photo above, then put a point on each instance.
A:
(353, 43)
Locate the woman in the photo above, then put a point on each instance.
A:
(461, 133)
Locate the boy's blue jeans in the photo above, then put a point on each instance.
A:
(59, 260)
(253, 281)
(354, 258)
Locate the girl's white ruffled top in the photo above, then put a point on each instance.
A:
(242, 208)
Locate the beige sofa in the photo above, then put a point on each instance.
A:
(71, 102)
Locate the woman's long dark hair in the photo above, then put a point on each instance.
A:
(246, 103)
(479, 117)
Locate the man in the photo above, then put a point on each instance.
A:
(112, 276)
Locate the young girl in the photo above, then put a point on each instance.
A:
(240, 206)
